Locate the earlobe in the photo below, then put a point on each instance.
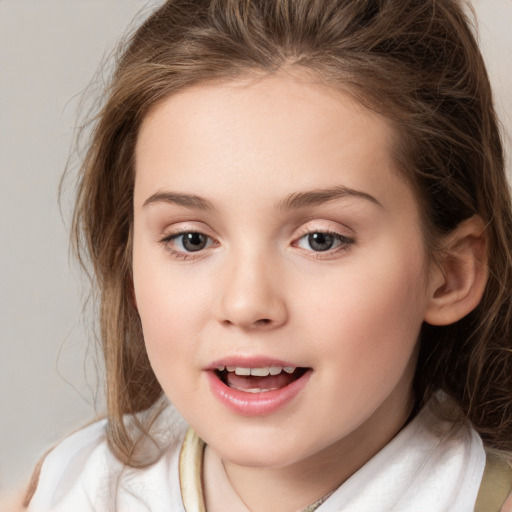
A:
(458, 282)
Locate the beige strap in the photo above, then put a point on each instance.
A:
(191, 480)
(496, 485)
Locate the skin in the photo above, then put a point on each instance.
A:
(352, 314)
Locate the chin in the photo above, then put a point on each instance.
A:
(262, 451)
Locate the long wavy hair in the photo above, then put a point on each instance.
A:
(417, 63)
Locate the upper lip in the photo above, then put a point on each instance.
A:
(250, 362)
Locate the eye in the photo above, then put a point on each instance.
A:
(321, 241)
(192, 242)
(187, 242)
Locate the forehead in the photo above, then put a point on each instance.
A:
(292, 102)
(272, 133)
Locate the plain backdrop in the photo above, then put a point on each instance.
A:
(49, 51)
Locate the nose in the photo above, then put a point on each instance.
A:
(252, 294)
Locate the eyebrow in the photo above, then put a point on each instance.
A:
(293, 201)
(187, 200)
(320, 196)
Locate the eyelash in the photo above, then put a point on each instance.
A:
(345, 244)
(182, 255)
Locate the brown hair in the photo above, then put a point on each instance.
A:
(414, 61)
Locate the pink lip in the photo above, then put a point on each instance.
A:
(254, 404)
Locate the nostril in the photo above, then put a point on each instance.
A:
(262, 322)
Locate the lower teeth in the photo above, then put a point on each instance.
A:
(257, 390)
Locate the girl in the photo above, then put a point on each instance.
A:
(298, 220)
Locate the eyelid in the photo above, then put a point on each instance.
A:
(324, 226)
(176, 229)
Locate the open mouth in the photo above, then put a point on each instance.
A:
(259, 380)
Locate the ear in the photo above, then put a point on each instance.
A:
(457, 281)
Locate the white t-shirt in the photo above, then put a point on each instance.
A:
(427, 467)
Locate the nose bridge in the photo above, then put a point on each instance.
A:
(252, 292)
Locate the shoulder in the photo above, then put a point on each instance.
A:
(82, 474)
(81, 458)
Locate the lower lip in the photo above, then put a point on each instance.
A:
(256, 404)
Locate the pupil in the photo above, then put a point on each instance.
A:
(194, 241)
(320, 241)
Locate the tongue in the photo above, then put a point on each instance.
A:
(251, 382)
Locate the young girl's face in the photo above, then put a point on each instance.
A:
(274, 234)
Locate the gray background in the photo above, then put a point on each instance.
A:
(49, 51)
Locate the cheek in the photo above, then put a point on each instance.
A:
(167, 317)
(368, 319)
(169, 313)
(168, 321)
(366, 341)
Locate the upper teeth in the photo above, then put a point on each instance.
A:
(257, 372)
